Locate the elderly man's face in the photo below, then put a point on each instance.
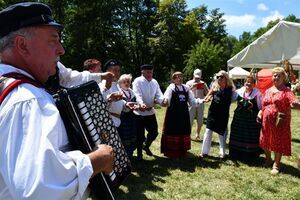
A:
(148, 74)
(115, 70)
(197, 79)
(43, 51)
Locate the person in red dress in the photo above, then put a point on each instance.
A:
(275, 117)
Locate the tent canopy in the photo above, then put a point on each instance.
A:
(282, 42)
(238, 73)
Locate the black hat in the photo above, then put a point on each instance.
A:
(109, 63)
(23, 15)
(146, 66)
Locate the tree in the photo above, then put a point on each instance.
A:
(165, 44)
(292, 18)
(244, 40)
(139, 19)
(215, 28)
(205, 56)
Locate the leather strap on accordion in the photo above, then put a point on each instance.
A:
(88, 123)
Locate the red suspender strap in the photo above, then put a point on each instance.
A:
(15, 80)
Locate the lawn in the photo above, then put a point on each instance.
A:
(211, 178)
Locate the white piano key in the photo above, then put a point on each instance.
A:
(83, 110)
(86, 116)
(81, 105)
(112, 175)
(88, 121)
(91, 127)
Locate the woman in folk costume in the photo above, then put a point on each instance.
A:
(127, 129)
(176, 137)
(218, 113)
(245, 131)
(275, 116)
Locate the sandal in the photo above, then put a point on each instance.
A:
(275, 170)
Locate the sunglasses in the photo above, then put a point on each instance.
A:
(221, 77)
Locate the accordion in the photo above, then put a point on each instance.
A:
(88, 123)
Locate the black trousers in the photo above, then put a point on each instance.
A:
(150, 124)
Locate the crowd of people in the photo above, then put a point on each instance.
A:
(36, 158)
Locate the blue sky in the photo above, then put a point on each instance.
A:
(249, 15)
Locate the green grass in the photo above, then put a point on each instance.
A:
(211, 178)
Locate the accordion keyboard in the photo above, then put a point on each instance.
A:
(94, 112)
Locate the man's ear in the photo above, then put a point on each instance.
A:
(21, 45)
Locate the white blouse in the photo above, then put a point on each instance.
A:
(249, 95)
(192, 100)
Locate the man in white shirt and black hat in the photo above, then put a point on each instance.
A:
(36, 159)
(148, 93)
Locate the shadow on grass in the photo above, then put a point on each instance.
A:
(143, 177)
(150, 174)
(296, 140)
(288, 169)
(285, 169)
(147, 172)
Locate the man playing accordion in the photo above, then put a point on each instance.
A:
(36, 162)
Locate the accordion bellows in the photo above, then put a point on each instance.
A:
(88, 123)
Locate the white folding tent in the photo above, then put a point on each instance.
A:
(238, 73)
(280, 43)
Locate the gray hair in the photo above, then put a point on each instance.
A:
(7, 41)
(282, 71)
(124, 77)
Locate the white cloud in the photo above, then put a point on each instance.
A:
(240, 21)
(274, 16)
(262, 7)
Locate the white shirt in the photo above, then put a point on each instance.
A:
(35, 161)
(198, 93)
(147, 92)
(70, 78)
(249, 95)
(115, 106)
(192, 100)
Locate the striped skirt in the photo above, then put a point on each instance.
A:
(244, 136)
(175, 146)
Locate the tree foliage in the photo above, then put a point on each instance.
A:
(161, 32)
(205, 56)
